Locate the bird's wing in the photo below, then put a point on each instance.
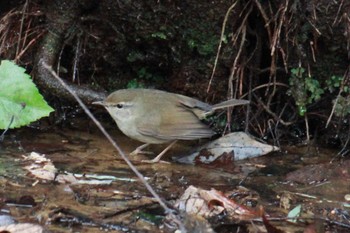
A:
(177, 123)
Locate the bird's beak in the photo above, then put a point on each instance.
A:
(98, 103)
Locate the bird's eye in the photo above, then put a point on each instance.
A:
(119, 106)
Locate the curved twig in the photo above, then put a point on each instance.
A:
(220, 44)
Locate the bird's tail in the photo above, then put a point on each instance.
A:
(229, 103)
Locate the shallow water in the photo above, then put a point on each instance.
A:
(278, 182)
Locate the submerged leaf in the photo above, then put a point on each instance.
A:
(294, 213)
(229, 148)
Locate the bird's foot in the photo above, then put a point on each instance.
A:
(154, 161)
(139, 150)
(157, 159)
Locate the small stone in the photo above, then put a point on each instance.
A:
(347, 197)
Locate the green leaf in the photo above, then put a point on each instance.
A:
(302, 110)
(160, 35)
(132, 84)
(298, 71)
(19, 97)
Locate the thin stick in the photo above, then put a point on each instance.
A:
(269, 111)
(307, 129)
(76, 61)
(2, 136)
(28, 46)
(220, 43)
(345, 78)
(98, 124)
(21, 27)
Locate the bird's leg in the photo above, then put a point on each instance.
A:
(157, 159)
(139, 150)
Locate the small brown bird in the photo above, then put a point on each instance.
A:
(156, 117)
